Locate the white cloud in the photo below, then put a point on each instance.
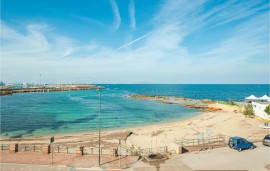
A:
(116, 14)
(33, 41)
(158, 57)
(131, 11)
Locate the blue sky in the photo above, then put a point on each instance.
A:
(135, 41)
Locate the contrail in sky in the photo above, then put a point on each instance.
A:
(133, 41)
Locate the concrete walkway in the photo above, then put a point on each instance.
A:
(225, 158)
(173, 163)
(67, 160)
(32, 167)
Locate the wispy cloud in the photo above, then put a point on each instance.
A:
(131, 10)
(116, 14)
(162, 56)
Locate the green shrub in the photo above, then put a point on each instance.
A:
(267, 110)
(231, 103)
(228, 102)
(248, 110)
(135, 152)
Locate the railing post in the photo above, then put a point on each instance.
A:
(113, 152)
(67, 149)
(13, 148)
(79, 151)
(46, 149)
(58, 148)
(34, 148)
(25, 148)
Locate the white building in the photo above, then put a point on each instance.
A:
(259, 107)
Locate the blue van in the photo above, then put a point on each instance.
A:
(240, 143)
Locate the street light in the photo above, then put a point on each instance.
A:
(99, 112)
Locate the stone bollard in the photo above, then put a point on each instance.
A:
(13, 148)
(180, 150)
(79, 151)
(113, 152)
(46, 149)
(165, 149)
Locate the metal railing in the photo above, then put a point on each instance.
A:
(62, 149)
(29, 148)
(162, 150)
(194, 142)
(58, 149)
(4, 147)
(94, 151)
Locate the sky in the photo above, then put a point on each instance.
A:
(135, 41)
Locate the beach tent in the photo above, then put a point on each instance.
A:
(252, 97)
(265, 98)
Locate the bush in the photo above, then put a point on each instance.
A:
(231, 103)
(267, 110)
(248, 110)
(135, 152)
(228, 102)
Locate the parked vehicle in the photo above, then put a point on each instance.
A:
(266, 140)
(240, 143)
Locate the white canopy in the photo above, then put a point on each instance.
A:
(252, 97)
(265, 97)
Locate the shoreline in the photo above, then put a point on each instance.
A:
(228, 121)
(162, 134)
(108, 129)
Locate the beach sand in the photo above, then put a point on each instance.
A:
(226, 122)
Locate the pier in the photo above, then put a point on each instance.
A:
(51, 88)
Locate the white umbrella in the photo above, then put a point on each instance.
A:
(252, 97)
(265, 97)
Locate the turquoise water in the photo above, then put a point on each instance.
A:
(33, 114)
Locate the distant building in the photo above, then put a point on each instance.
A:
(24, 85)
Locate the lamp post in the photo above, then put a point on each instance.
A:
(39, 80)
(99, 112)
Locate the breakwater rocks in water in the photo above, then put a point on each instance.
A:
(202, 105)
(62, 87)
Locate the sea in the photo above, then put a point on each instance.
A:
(50, 113)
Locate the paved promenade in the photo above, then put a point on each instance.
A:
(66, 160)
(225, 158)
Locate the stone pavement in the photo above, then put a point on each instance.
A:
(225, 158)
(173, 163)
(69, 160)
(31, 167)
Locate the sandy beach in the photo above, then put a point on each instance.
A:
(228, 122)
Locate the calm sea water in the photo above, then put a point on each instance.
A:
(33, 114)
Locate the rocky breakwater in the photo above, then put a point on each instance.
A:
(202, 105)
(62, 87)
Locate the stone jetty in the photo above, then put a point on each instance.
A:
(183, 101)
(61, 87)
